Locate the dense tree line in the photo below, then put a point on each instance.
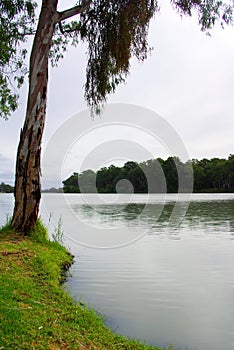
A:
(214, 175)
(156, 176)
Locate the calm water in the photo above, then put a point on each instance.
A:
(164, 283)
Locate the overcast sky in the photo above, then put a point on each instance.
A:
(188, 79)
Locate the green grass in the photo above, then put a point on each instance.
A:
(35, 311)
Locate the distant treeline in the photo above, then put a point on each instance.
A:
(4, 188)
(52, 190)
(156, 176)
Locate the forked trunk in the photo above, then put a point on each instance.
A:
(28, 165)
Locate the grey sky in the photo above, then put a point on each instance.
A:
(188, 79)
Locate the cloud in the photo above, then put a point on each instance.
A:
(6, 170)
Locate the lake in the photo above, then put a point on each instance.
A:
(159, 268)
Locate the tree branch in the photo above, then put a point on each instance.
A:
(73, 11)
(71, 30)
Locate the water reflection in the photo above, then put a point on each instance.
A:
(211, 216)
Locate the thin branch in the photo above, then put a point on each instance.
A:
(77, 28)
(61, 28)
(63, 31)
(28, 33)
(73, 11)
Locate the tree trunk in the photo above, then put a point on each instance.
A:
(28, 164)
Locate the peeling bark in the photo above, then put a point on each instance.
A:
(28, 165)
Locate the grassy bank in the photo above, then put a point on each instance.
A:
(35, 311)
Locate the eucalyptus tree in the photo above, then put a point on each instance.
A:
(114, 32)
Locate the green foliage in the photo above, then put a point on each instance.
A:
(70, 185)
(8, 101)
(6, 228)
(158, 176)
(209, 11)
(214, 175)
(114, 31)
(39, 232)
(16, 22)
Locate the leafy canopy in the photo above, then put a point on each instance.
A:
(16, 22)
(114, 31)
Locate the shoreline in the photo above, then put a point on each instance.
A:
(36, 311)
